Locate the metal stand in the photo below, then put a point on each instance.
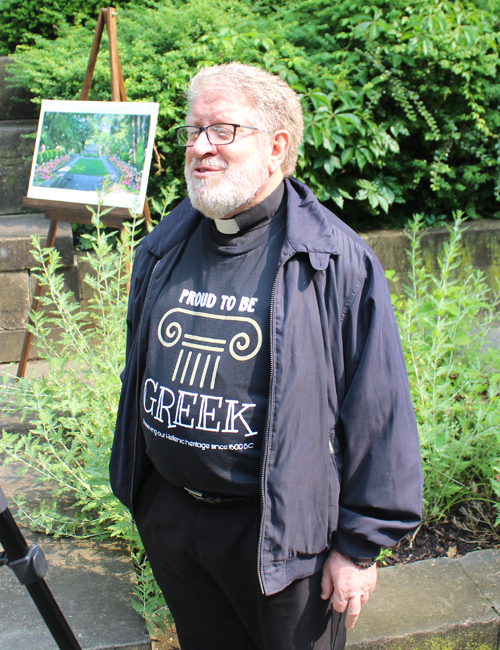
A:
(30, 567)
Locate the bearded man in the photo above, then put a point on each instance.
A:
(265, 441)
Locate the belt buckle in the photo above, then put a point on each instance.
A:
(196, 494)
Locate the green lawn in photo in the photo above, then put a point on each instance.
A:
(89, 167)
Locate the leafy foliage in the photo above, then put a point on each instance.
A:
(454, 374)
(23, 19)
(400, 101)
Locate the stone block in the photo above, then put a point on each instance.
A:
(430, 605)
(15, 163)
(11, 344)
(15, 101)
(480, 249)
(14, 300)
(483, 569)
(15, 240)
(13, 144)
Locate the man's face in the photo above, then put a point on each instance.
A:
(223, 180)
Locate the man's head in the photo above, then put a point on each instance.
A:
(224, 179)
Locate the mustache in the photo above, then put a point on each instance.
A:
(212, 161)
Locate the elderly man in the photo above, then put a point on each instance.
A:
(265, 441)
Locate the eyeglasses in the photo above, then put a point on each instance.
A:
(216, 133)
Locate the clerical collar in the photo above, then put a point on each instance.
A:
(257, 214)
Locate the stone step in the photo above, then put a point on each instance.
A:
(90, 580)
(15, 240)
(437, 604)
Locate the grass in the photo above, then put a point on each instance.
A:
(89, 167)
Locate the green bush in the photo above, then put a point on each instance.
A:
(454, 376)
(401, 102)
(23, 19)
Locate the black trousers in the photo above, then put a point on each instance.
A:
(204, 559)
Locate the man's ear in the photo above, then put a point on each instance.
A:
(280, 142)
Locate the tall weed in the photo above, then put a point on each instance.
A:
(453, 371)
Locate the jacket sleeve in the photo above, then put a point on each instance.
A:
(381, 487)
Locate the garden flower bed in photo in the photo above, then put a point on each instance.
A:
(45, 171)
(129, 175)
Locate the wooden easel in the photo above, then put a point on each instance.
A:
(73, 212)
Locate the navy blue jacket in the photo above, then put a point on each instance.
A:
(341, 459)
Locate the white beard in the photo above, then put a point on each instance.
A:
(232, 193)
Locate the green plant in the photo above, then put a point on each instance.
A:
(443, 318)
(383, 555)
(72, 408)
(23, 19)
(400, 101)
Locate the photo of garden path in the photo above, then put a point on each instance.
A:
(86, 151)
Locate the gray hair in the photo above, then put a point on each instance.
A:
(275, 105)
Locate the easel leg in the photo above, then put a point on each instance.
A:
(35, 306)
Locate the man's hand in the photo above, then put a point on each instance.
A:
(350, 585)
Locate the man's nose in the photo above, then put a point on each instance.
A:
(203, 147)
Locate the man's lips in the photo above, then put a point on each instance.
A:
(205, 168)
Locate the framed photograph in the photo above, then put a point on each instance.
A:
(83, 148)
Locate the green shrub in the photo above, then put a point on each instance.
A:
(23, 19)
(401, 102)
(454, 376)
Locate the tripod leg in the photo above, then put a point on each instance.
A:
(16, 548)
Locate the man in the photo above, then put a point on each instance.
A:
(265, 441)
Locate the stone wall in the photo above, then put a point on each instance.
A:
(18, 118)
(480, 249)
(16, 281)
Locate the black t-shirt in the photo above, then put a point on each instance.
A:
(206, 384)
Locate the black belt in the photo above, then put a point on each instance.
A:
(215, 499)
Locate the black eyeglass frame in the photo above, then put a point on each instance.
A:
(202, 129)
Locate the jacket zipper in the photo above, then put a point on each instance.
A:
(137, 389)
(266, 432)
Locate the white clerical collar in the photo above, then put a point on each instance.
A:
(227, 226)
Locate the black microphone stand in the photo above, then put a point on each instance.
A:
(30, 566)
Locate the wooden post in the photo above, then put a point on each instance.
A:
(106, 17)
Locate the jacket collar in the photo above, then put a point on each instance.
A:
(308, 229)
